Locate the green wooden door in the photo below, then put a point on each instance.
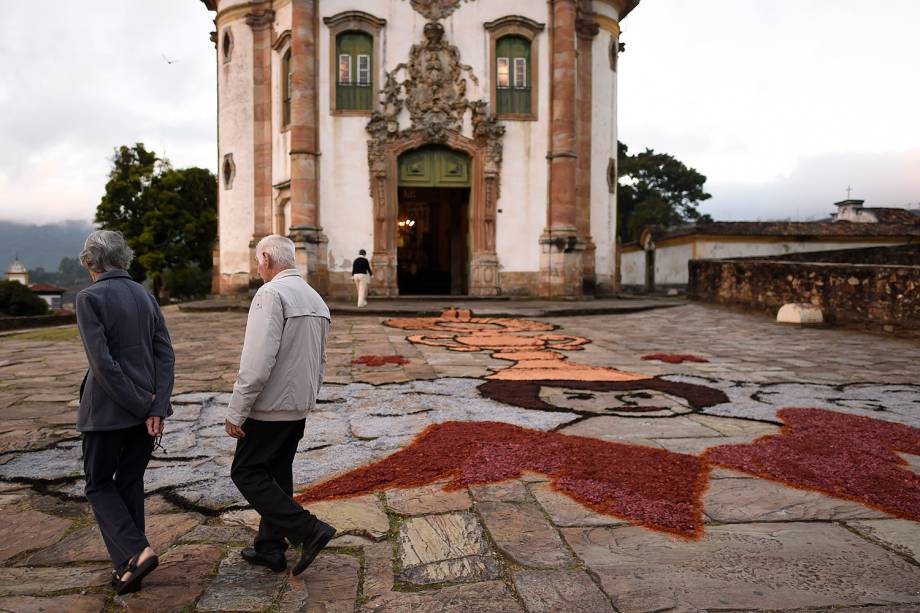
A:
(512, 71)
(354, 82)
(434, 167)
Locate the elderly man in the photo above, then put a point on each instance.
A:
(281, 370)
(124, 400)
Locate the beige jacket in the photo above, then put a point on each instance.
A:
(284, 352)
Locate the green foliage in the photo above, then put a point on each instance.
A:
(167, 215)
(18, 300)
(656, 188)
(69, 274)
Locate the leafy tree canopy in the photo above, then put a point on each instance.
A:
(656, 188)
(17, 300)
(167, 215)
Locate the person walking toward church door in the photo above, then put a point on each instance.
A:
(361, 272)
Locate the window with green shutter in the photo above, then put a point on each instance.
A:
(286, 87)
(512, 74)
(354, 81)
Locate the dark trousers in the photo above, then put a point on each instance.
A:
(114, 463)
(262, 472)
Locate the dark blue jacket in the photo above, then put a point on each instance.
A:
(131, 360)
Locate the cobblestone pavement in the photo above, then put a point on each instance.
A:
(512, 545)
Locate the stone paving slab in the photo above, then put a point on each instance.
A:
(427, 500)
(29, 530)
(759, 500)
(179, 580)
(17, 581)
(240, 586)
(90, 603)
(563, 511)
(485, 597)
(554, 591)
(330, 585)
(521, 531)
(898, 534)
(744, 566)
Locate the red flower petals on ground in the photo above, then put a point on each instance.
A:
(380, 360)
(674, 358)
(652, 487)
(847, 456)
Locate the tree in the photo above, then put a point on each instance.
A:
(167, 215)
(18, 300)
(656, 188)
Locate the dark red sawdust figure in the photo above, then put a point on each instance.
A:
(653, 487)
(847, 456)
(380, 360)
(674, 358)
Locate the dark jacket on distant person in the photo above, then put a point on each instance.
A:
(361, 267)
(131, 360)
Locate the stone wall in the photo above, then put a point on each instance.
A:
(852, 287)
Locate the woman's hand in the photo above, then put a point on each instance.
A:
(155, 425)
(233, 430)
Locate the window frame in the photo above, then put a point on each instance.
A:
(529, 30)
(287, 88)
(361, 22)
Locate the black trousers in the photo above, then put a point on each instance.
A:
(262, 472)
(114, 463)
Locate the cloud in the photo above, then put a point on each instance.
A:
(71, 94)
(810, 190)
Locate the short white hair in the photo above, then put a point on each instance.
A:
(279, 248)
(105, 250)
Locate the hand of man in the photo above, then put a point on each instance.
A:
(155, 425)
(234, 430)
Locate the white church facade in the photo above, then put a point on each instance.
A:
(468, 145)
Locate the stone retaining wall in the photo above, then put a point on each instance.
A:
(881, 297)
(39, 321)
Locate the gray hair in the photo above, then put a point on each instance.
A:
(279, 248)
(105, 250)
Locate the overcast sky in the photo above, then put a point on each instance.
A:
(780, 103)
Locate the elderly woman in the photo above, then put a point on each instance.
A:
(124, 401)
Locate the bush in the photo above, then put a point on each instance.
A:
(186, 282)
(18, 300)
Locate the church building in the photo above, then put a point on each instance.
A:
(468, 145)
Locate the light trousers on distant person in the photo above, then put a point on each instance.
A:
(361, 282)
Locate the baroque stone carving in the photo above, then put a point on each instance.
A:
(434, 94)
(434, 10)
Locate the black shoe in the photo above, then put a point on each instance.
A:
(275, 561)
(312, 545)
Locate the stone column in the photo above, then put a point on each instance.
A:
(560, 258)
(586, 29)
(261, 24)
(305, 229)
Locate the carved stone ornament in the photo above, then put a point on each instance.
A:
(433, 10)
(434, 94)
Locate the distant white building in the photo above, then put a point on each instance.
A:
(468, 145)
(660, 257)
(16, 271)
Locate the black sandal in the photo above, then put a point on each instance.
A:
(138, 572)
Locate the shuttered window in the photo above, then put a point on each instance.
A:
(354, 82)
(512, 71)
(286, 87)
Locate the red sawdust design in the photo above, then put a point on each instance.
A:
(674, 358)
(532, 357)
(380, 360)
(652, 487)
(846, 456)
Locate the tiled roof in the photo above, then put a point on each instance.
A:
(46, 288)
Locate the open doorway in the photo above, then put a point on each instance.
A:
(432, 234)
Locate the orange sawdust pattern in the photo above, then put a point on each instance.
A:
(847, 456)
(380, 360)
(532, 357)
(674, 358)
(651, 487)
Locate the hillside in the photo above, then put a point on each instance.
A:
(41, 246)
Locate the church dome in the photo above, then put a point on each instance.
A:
(17, 267)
